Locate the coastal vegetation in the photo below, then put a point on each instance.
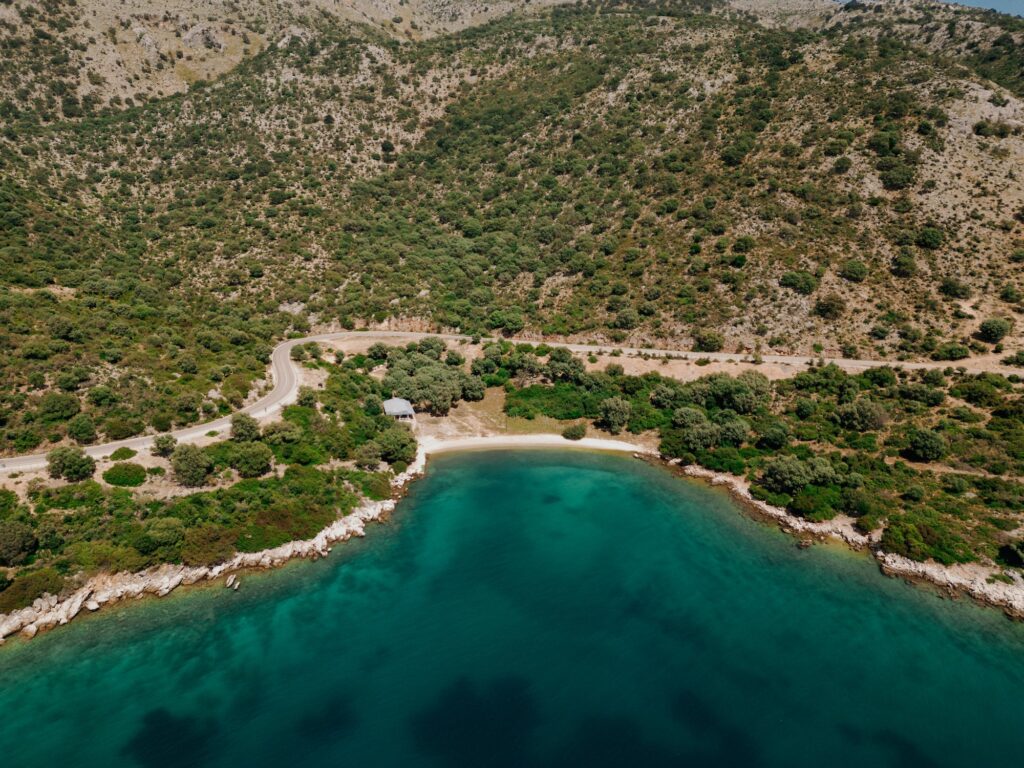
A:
(932, 460)
(681, 173)
(928, 462)
(260, 488)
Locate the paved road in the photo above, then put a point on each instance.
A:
(285, 376)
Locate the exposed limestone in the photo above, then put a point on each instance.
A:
(103, 589)
(971, 579)
(203, 36)
(149, 47)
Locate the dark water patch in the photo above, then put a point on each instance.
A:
(641, 621)
(331, 719)
(165, 739)
(471, 724)
(612, 742)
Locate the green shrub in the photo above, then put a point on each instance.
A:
(854, 270)
(17, 542)
(191, 465)
(123, 454)
(706, 340)
(575, 431)
(802, 282)
(164, 445)
(71, 464)
(126, 475)
(951, 351)
(830, 306)
(27, 587)
(251, 459)
(208, 544)
(925, 445)
(994, 329)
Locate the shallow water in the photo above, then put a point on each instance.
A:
(532, 608)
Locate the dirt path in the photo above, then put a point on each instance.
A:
(684, 365)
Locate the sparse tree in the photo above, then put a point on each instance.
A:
(925, 445)
(71, 464)
(368, 455)
(164, 445)
(994, 329)
(615, 413)
(191, 465)
(244, 428)
(252, 459)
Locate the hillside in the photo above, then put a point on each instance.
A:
(686, 174)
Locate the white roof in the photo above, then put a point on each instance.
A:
(398, 406)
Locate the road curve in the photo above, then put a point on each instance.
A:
(285, 375)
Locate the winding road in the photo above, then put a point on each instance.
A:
(285, 375)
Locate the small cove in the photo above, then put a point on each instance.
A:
(532, 608)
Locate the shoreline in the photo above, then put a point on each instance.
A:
(49, 611)
(973, 580)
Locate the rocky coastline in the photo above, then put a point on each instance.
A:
(985, 584)
(104, 589)
(51, 611)
(975, 580)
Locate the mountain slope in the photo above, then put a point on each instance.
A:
(675, 173)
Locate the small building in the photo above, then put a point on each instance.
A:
(398, 408)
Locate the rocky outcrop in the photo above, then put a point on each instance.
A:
(50, 611)
(983, 583)
(203, 36)
(840, 527)
(294, 33)
(986, 584)
(148, 45)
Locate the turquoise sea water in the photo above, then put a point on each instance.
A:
(532, 608)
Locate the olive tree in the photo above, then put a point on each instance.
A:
(925, 445)
(71, 464)
(252, 459)
(615, 413)
(244, 428)
(163, 445)
(994, 329)
(191, 465)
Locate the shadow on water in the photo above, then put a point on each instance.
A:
(609, 742)
(722, 743)
(478, 725)
(166, 739)
(332, 720)
(904, 753)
